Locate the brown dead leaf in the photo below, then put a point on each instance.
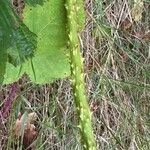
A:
(30, 132)
(126, 24)
(29, 136)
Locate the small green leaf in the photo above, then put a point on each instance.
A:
(15, 35)
(24, 44)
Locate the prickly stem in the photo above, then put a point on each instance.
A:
(75, 12)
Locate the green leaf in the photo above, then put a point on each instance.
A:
(24, 44)
(80, 14)
(35, 2)
(48, 22)
(3, 59)
(6, 20)
(15, 36)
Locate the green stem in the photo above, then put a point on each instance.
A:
(77, 73)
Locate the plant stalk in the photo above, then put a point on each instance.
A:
(87, 137)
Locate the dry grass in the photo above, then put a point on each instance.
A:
(117, 73)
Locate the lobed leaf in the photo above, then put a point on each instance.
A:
(14, 35)
(48, 22)
(23, 45)
(6, 20)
